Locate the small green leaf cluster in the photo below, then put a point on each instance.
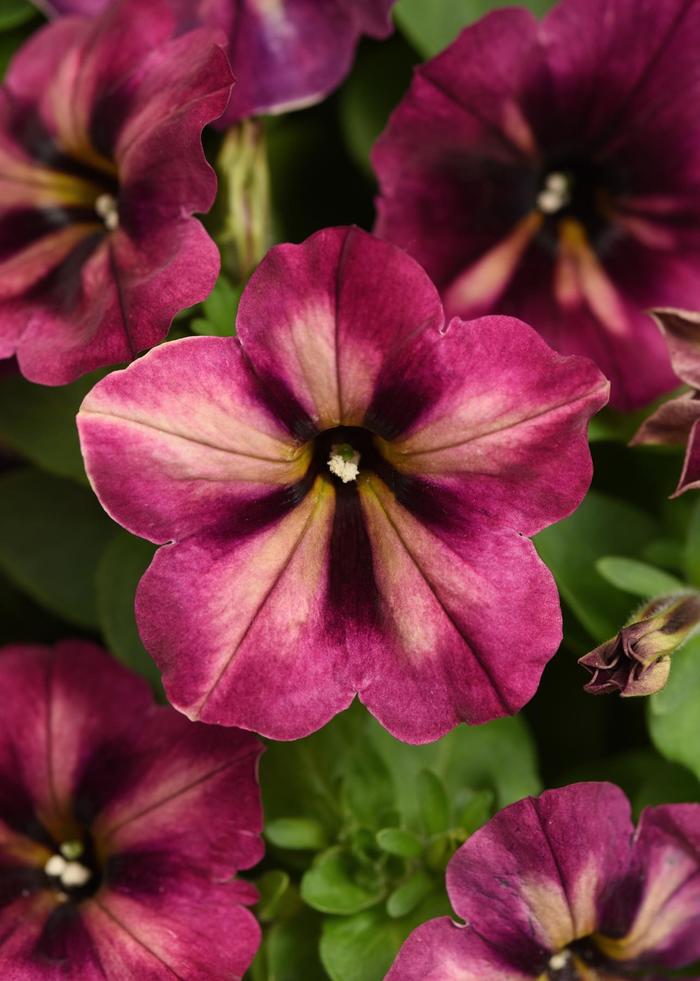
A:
(360, 828)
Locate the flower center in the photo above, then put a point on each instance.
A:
(106, 207)
(556, 193)
(72, 871)
(343, 462)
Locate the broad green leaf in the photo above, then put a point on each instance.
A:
(301, 833)
(476, 811)
(15, 12)
(637, 578)
(123, 562)
(430, 25)
(363, 947)
(38, 422)
(52, 535)
(692, 547)
(572, 547)
(674, 712)
(22, 621)
(381, 75)
(665, 552)
(400, 841)
(498, 756)
(337, 883)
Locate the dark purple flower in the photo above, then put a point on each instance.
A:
(342, 495)
(122, 826)
(638, 660)
(101, 168)
(563, 888)
(285, 53)
(551, 170)
(676, 421)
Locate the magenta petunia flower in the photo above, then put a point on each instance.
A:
(101, 168)
(675, 422)
(563, 888)
(121, 828)
(345, 490)
(285, 54)
(551, 170)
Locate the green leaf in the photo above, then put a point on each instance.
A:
(431, 26)
(15, 12)
(409, 894)
(476, 812)
(692, 546)
(303, 833)
(571, 549)
(39, 422)
(52, 535)
(274, 888)
(636, 577)
(337, 883)
(399, 841)
(433, 803)
(289, 951)
(123, 562)
(363, 947)
(673, 712)
(498, 756)
(220, 310)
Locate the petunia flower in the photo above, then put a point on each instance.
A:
(285, 54)
(563, 888)
(637, 661)
(101, 168)
(549, 170)
(342, 495)
(675, 422)
(121, 828)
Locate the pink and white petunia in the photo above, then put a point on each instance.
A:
(343, 494)
(563, 888)
(285, 54)
(101, 170)
(122, 826)
(551, 170)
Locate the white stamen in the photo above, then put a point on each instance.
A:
(75, 875)
(106, 208)
(56, 865)
(559, 961)
(343, 462)
(71, 874)
(556, 193)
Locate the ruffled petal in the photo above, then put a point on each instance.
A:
(546, 865)
(321, 319)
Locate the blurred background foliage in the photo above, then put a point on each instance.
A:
(359, 827)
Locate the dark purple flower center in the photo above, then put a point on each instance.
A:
(572, 186)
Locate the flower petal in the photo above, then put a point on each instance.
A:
(681, 329)
(469, 617)
(665, 930)
(321, 319)
(504, 420)
(265, 658)
(546, 865)
(208, 443)
(442, 951)
(43, 740)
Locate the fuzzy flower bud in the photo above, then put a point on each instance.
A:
(637, 660)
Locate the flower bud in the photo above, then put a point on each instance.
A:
(637, 661)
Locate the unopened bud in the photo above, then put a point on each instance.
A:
(637, 661)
